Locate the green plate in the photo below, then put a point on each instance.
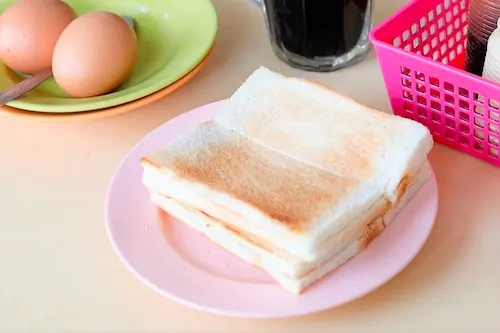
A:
(174, 36)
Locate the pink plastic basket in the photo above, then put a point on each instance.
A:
(421, 50)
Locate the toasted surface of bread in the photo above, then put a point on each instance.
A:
(284, 190)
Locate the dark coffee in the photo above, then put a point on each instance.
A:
(316, 28)
(475, 55)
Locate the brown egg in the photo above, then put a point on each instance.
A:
(29, 30)
(94, 55)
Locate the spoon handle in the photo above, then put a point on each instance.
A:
(24, 86)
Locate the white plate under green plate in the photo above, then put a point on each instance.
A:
(174, 36)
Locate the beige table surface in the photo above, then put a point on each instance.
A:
(58, 272)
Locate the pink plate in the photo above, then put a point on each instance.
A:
(183, 265)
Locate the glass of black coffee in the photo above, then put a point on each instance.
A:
(318, 35)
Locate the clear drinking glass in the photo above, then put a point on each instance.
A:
(318, 35)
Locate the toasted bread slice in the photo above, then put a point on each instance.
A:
(259, 191)
(317, 126)
(291, 272)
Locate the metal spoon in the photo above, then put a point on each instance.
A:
(36, 79)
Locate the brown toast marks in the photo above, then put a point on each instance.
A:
(403, 185)
(294, 194)
(372, 231)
